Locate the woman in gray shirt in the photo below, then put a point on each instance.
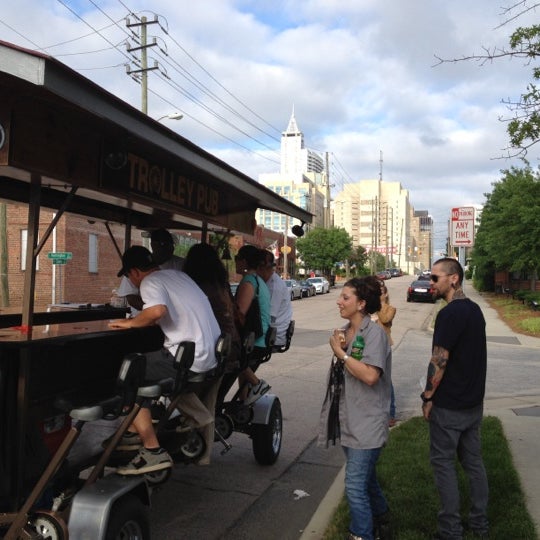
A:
(356, 408)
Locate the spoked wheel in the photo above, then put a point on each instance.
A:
(192, 447)
(128, 520)
(266, 438)
(224, 426)
(48, 526)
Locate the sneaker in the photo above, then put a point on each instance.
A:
(256, 391)
(147, 461)
(129, 441)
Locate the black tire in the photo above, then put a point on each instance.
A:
(128, 520)
(156, 478)
(266, 438)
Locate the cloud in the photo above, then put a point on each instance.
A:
(362, 76)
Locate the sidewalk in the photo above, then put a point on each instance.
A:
(519, 415)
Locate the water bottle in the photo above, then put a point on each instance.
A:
(357, 349)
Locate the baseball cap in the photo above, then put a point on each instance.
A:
(162, 236)
(136, 257)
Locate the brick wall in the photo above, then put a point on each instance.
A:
(74, 282)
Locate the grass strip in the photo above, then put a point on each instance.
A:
(406, 477)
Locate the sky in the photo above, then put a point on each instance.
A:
(363, 77)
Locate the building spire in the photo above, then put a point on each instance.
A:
(292, 128)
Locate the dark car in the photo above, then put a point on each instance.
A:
(420, 291)
(295, 288)
(384, 274)
(395, 272)
(308, 289)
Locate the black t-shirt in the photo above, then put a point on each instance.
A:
(460, 328)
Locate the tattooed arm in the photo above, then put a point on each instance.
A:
(435, 373)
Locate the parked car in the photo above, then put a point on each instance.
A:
(321, 284)
(308, 289)
(395, 272)
(296, 289)
(420, 291)
(383, 274)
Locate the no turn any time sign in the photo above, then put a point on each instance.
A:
(462, 226)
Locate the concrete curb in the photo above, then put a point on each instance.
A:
(326, 509)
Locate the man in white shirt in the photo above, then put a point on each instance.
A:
(280, 297)
(173, 301)
(162, 244)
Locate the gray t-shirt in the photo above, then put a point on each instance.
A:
(364, 410)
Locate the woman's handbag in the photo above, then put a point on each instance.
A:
(253, 321)
(333, 394)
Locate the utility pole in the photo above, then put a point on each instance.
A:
(328, 194)
(142, 64)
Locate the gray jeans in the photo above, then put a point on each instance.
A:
(458, 433)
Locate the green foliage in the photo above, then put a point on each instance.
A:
(406, 478)
(358, 260)
(524, 128)
(508, 237)
(321, 248)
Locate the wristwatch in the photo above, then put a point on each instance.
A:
(345, 357)
(424, 398)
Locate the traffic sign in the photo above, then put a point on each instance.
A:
(59, 261)
(462, 233)
(60, 255)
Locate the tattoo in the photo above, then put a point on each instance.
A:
(436, 369)
(439, 357)
(458, 293)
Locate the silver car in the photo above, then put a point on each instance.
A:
(295, 287)
(321, 284)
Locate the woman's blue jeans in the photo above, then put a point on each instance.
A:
(364, 494)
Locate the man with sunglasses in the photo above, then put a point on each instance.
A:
(453, 402)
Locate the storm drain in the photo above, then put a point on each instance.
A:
(528, 411)
(508, 340)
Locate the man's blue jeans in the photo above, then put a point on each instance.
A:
(363, 492)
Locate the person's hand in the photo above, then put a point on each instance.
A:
(119, 323)
(426, 409)
(337, 341)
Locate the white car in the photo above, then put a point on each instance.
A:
(321, 284)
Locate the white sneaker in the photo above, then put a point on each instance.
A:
(256, 391)
(146, 461)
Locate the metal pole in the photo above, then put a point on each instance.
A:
(144, 67)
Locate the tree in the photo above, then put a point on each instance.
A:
(508, 237)
(321, 248)
(359, 258)
(524, 126)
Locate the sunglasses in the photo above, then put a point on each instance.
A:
(435, 277)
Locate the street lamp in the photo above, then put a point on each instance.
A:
(171, 116)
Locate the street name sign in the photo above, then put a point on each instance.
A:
(60, 255)
(462, 227)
